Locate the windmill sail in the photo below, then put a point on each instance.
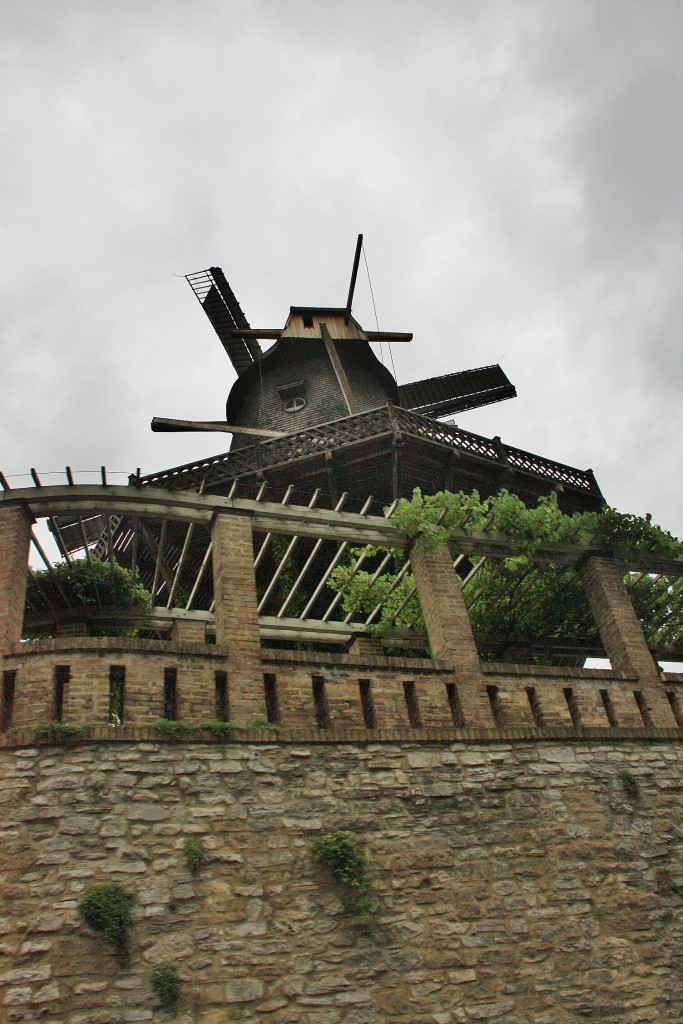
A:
(225, 313)
(455, 392)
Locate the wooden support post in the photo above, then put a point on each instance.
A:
(15, 538)
(449, 630)
(396, 445)
(331, 471)
(622, 636)
(237, 619)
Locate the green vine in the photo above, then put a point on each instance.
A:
(342, 853)
(106, 908)
(166, 984)
(218, 729)
(59, 732)
(512, 602)
(433, 518)
(630, 785)
(174, 731)
(195, 856)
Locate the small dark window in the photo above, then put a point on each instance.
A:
(62, 676)
(308, 319)
(7, 702)
(170, 694)
(643, 708)
(293, 396)
(607, 704)
(496, 708)
(367, 703)
(322, 712)
(270, 693)
(117, 677)
(455, 705)
(222, 699)
(534, 704)
(573, 707)
(412, 705)
(672, 697)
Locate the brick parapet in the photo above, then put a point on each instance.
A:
(353, 660)
(524, 693)
(493, 668)
(112, 644)
(29, 737)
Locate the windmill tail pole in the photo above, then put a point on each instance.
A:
(162, 425)
(354, 274)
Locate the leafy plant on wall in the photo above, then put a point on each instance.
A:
(106, 908)
(342, 853)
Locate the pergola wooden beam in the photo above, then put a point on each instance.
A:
(189, 506)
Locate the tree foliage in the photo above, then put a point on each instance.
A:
(87, 583)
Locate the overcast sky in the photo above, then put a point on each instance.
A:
(516, 168)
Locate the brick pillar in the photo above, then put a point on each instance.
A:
(449, 629)
(622, 636)
(237, 620)
(15, 537)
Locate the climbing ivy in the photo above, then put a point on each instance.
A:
(342, 853)
(106, 908)
(195, 855)
(166, 984)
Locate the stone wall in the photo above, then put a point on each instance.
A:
(525, 882)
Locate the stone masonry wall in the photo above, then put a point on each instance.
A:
(530, 882)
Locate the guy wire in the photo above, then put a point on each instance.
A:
(372, 296)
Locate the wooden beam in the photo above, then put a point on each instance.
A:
(339, 370)
(268, 333)
(183, 553)
(309, 561)
(389, 336)
(163, 425)
(290, 548)
(268, 537)
(354, 274)
(189, 506)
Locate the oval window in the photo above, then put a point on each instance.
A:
(295, 404)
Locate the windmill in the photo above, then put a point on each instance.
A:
(335, 328)
(318, 409)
